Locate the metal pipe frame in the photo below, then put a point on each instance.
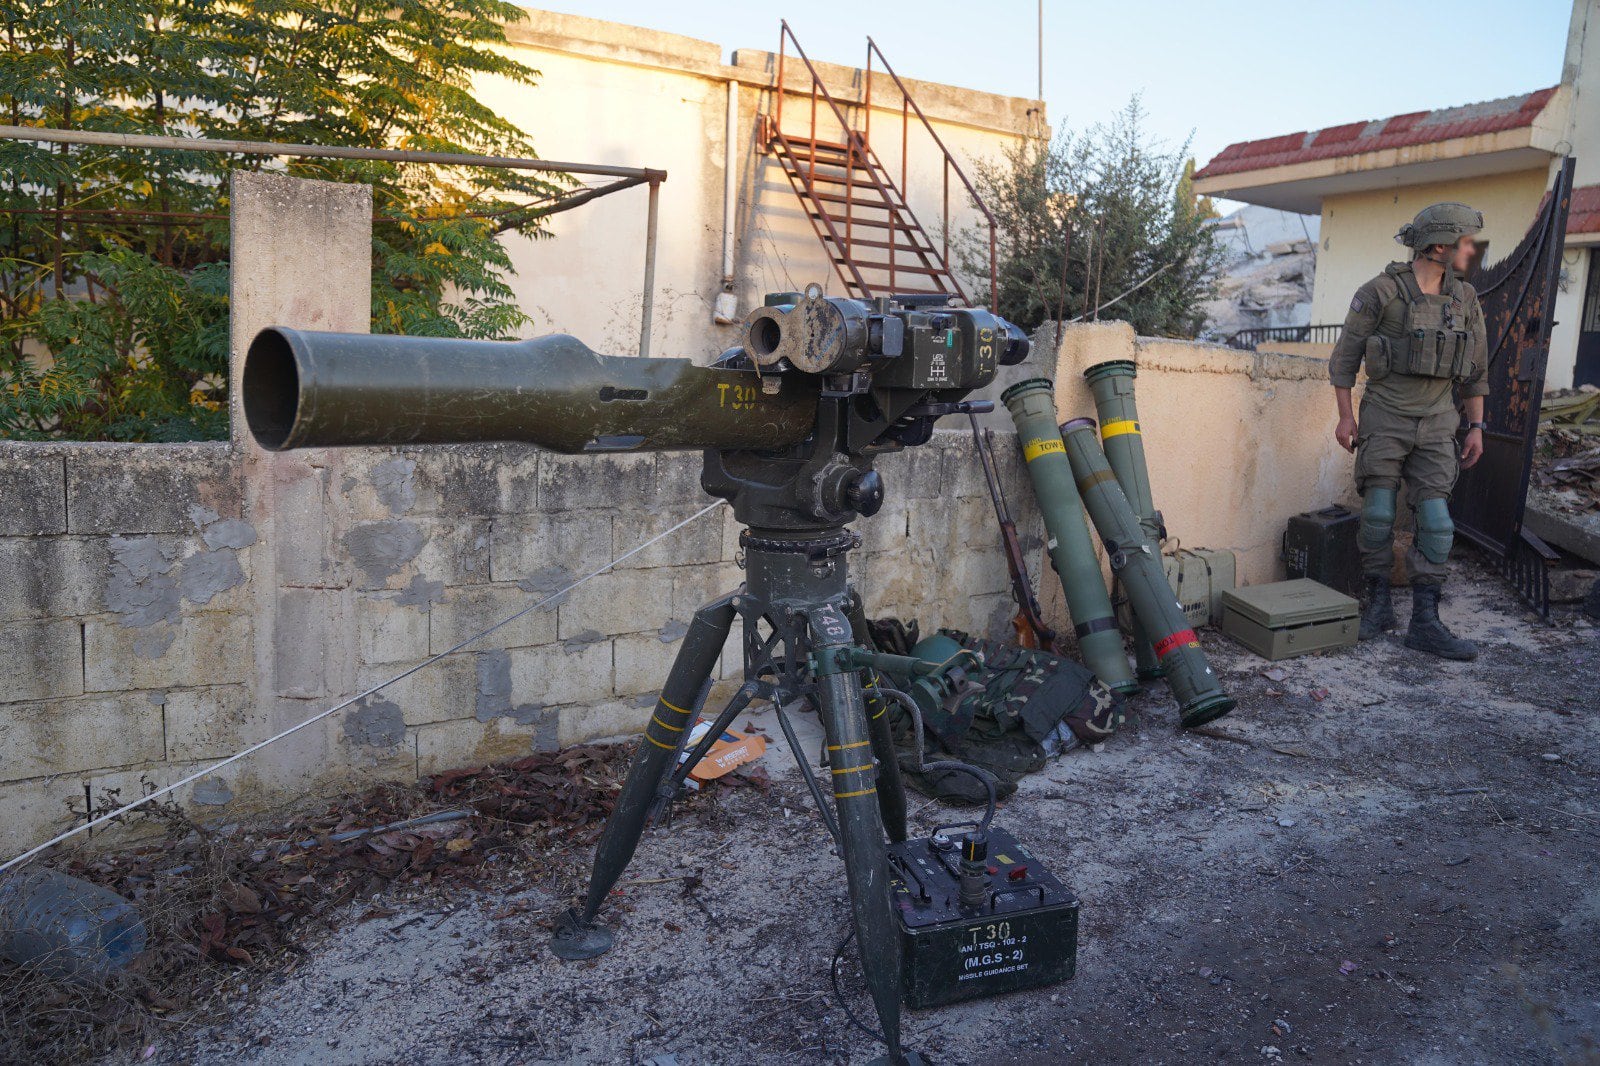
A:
(629, 176)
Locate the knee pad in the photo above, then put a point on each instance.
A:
(1435, 530)
(1377, 517)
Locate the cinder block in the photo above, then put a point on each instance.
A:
(581, 723)
(456, 551)
(388, 631)
(695, 586)
(206, 648)
(621, 601)
(572, 543)
(886, 530)
(303, 545)
(381, 552)
(961, 472)
(51, 577)
(678, 481)
(149, 488)
(903, 576)
(571, 482)
(40, 660)
(33, 488)
(37, 810)
(517, 482)
(698, 542)
(212, 722)
(469, 742)
(914, 474)
(437, 693)
(976, 572)
(642, 662)
(561, 673)
(378, 484)
(464, 479)
(930, 523)
(469, 609)
(72, 735)
(303, 644)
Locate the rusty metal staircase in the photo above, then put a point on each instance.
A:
(876, 244)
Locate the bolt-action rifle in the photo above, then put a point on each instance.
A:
(1031, 629)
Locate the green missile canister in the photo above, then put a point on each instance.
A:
(1112, 385)
(1138, 566)
(1033, 408)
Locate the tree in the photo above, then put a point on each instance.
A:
(1141, 247)
(114, 262)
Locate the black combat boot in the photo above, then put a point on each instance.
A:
(1377, 617)
(1428, 633)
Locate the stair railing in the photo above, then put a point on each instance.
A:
(846, 243)
(907, 106)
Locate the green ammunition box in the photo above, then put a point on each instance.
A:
(1288, 618)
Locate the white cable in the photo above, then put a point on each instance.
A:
(124, 809)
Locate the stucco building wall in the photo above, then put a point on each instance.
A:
(619, 94)
(1358, 229)
(1236, 442)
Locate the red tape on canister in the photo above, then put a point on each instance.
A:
(1168, 645)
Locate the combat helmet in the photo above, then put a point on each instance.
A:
(1443, 223)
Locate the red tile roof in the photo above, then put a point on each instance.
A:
(1584, 215)
(1418, 127)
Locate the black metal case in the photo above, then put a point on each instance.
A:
(1322, 545)
(1025, 937)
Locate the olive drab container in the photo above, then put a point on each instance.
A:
(1111, 383)
(1072, 553)
(1198, 578)
(1135, 562)
(1289, 618)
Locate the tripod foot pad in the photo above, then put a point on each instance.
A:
(576, 939)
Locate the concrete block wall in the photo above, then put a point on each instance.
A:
(134, 604)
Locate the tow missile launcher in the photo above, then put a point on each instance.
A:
(790, 424)
(1189, 675)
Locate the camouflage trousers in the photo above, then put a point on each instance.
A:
(1419, 453)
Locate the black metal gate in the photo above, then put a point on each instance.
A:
(1518, 295)
(1588, 367)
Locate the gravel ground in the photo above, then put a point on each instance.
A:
(1404, 870)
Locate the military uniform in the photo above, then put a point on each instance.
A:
(1407, 422)
(1419, 349)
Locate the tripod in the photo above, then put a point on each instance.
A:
(804, 637)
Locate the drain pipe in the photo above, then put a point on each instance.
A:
(726, 310)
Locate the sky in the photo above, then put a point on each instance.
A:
(1215, 73)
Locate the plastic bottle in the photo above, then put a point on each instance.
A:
(66, 927)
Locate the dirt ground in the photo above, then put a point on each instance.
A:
(1389, 859)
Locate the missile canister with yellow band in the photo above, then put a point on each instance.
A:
(1033, 408)
(1112, 385)
(1138, 566)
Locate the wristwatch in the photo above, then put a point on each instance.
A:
(1476, 425)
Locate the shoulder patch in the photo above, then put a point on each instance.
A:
(1357, 304)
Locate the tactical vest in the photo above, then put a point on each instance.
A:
(1435, 341)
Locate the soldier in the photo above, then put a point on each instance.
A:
(1419, 330)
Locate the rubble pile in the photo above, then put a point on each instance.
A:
(1567, 460)
(1273, 289)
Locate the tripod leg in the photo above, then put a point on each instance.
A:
(577, 936)
(891, 790)
(861, 842)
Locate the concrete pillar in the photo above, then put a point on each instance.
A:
(301, 256)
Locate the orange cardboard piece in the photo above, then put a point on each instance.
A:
(727, 752)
